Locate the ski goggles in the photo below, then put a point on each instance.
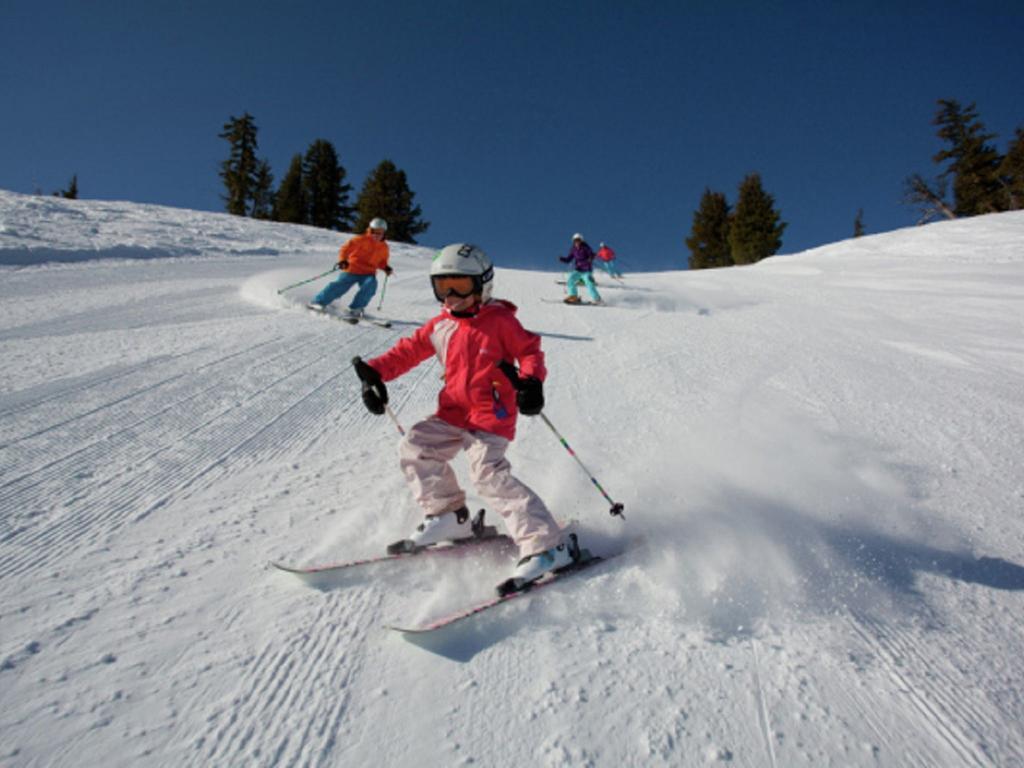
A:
(462, 286)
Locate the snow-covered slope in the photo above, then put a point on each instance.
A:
(820, 457)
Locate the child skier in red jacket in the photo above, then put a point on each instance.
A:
(472, 337)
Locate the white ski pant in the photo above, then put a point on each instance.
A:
(425, 454)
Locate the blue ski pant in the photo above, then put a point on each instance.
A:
(575, 278)
(335, 290)
(610, 267)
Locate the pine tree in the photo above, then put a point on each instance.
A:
(709, 237)
(755, 229)
(239, 171)
(324, 187)
(930, 198)
(71, 193)
(263, 192)
(1011, 172)
(858, 223)
(974, 164)
(290, 200)
(386, 193)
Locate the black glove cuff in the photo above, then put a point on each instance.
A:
(366, 373)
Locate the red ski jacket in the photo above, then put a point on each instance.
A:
(476, 394)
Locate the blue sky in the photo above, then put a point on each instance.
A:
(518, 123)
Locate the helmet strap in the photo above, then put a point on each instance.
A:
(467, 309)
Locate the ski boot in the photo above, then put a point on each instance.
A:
(352, 315)
(533, 567)
(316, 307)
(451, 527)
(572, 300)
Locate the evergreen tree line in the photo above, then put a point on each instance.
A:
(982, 180)
(979, 178)
(71, 193)
(722, 235)
(313, 190)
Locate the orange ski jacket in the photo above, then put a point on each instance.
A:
(364, 254)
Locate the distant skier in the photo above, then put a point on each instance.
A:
(472, 337)
(606, 258)
(358, 259)
(582, 257)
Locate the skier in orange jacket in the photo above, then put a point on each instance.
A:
(358, 259)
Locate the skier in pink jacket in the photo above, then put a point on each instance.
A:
(606, 258)
(474, 337)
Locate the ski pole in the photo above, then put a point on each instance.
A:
(370, 379)
(617, 509)
(381, 302)
(389, 412)
(303, 282)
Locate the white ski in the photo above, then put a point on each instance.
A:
(380, 322)
(586, 561)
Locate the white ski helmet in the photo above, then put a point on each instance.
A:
(464, 259)
(576, 237)
(378, 223)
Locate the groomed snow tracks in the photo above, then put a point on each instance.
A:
(80, 462)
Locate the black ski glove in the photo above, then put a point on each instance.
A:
(530, 397)
(388, 270)
(529, 391)
(375, 394)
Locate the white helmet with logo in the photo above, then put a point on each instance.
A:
(378, 223)
(576, 237)
(464, 259)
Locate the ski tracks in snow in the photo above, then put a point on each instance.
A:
(160, 433)
(947, 715)
(293, 696)
(762, 709)
(877, 691)
(87, 459)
